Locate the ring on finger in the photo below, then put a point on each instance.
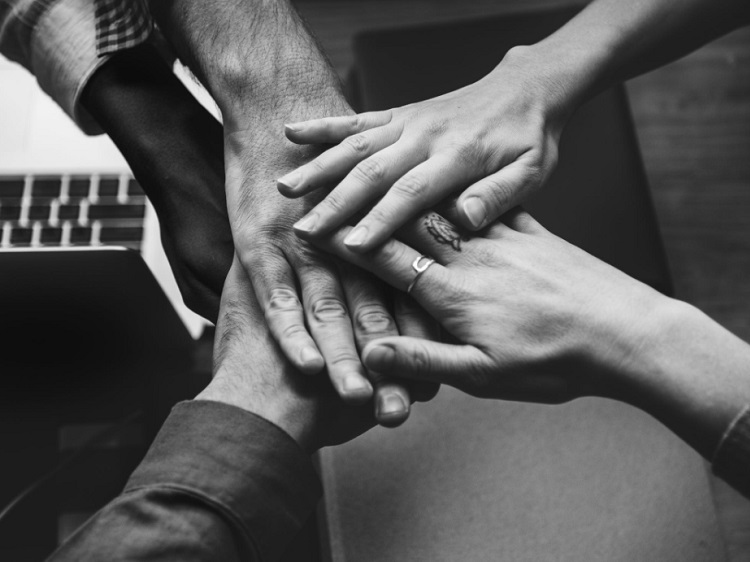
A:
(420, 265)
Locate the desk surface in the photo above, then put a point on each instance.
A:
(693, 123)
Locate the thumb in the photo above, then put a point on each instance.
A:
(421, 359)
(483, 202)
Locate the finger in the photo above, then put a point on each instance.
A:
(434, 236)
(366, 182)
(392, 262)
(335, 162)
(420, 359)
(413, 321)
(521, 221)
(332, 130)
(274, 284)
(487, 199)
(372, 320)
(328, 319)
(420, 188)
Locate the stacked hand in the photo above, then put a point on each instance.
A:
(251, 373)
(320, 312)
(536, 318)
(493, 142)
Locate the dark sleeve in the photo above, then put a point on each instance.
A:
(218, 483)
(731, 460)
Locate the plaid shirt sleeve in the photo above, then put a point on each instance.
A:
(121, 24)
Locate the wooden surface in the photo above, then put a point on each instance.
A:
(693, 122)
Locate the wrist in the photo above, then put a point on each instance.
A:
(684, 369)
(562, 73)
(288, 411)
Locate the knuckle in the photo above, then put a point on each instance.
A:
(420, 359)
(370, 171)
(343, 355)
(356, 122)
(283, 300)
(358, 144)
(373, 319)
(327, 309)
(411, 186)
(391, 255)
(335, 201)
(294, 331)
(468, 153)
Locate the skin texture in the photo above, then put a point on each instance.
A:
(492, 143)
(537, 319)
(174, 148)
(263, 67)
(250, 372)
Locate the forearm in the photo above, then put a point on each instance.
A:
(254, 55)
(143, 107)
(612, 40)
(685, 370)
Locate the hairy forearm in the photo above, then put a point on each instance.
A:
(685, 370)
(252, 55)
(613, 40)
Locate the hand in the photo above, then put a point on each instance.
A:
(495, 141)
(174, 148)
(341, 309)
(251, 373)
(537, 318)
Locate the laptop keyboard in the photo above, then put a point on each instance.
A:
(71, 210)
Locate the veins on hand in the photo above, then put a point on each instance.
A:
(444, 232)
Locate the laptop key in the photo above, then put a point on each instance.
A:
(116, 211)
(46, 187)
(68, 212)
(11, 187)
(108, 186)
(51, 235)
(20, 236)
(39, 210)
(80, 235)
(10, 210)
(79, 187)
(134, 188)
(121, 234)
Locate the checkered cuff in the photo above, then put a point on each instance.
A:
(121, 24)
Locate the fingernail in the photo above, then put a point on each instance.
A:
(293, 127)
(379, 357)
(475, 211)
(309, 355)
(306, 224)
(390, 404)
(355, 386)
(356, 237)
(291, 180)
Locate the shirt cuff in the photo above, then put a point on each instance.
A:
(731, 460)
(240, 464)
(64, 57)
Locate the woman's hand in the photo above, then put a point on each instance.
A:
(493, 142)
(537, 319)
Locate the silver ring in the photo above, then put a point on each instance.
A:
(420, 269)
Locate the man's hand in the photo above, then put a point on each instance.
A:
(175, 150)
(250, 372)
(342, 309)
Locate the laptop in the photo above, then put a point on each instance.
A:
(94, 337)
(470, 479)
(62, 189)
